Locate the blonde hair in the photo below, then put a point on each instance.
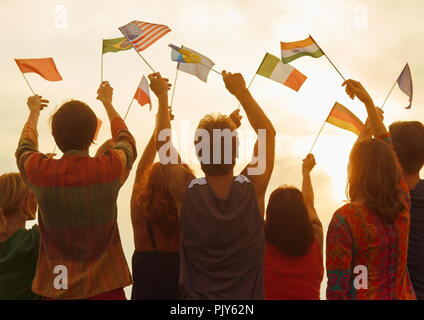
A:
(13, 194)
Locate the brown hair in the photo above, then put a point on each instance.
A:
(74, 125)
(374, 174)
(408, 140)
(156, 201)
(220, 122)
(288, 226)
(14, 195)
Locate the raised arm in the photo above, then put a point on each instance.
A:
(260, 169)
(355, 89)
(124, 143)
(28, 142)
(177, 176)
(308, 197)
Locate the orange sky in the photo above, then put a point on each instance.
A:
(369, 42)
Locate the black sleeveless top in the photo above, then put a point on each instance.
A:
(155, 273)
(222, 243)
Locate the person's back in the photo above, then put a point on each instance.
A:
(222, 242)
(408, 141)
(221, 216)
(18, 246)
(18, 260)
(293, 233)
(81, 255)
(367, 239)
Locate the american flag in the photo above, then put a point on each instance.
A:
(143, 34)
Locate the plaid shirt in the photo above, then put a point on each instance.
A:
(78, 214)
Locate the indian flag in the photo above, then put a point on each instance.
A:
(292, 50)
(341, 117)
(272, 68)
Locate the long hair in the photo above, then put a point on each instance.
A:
(374, 174)
(155, 199)
(288, 226)
(14, 195)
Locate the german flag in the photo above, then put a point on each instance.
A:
(341, 117)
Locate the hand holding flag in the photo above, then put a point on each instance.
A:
(36, 104)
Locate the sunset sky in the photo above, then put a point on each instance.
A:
(369, 41)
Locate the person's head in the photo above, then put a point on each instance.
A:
(288, 226)
(155, 199)
(74, 125)
(374, 177)
(216, 136)
(15, 199)
(408, 140)
(105, 147)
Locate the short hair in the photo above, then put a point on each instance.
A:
(211, 122)
(374, 174)
(288, 226)
(408, 140)
(74, 125)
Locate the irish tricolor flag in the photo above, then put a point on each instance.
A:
(272, 68)
(142, 95)
(341, 117)
(292, 50)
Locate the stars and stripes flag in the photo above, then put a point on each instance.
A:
(143, 34)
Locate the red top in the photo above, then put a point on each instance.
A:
(293, 278)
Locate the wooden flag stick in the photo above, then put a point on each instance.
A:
(319, 132)
(148, 64)
(26, 80)
(129, 107)
(175, 84)
(248, 87)
(101, 69)
(329, 59)
(387, 97)
(210, 68)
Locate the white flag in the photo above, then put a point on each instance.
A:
(197, 69)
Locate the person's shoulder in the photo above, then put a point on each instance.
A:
(197, 182)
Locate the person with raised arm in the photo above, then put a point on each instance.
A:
(81, 255)
(155, 222)
(293, 233)
(408, 141)
(367, 239)
(18, 246)
(221, 215)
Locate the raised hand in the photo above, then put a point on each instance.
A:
(236, 117)
(105, 92)
(233, 82)
(355, 89)
(308, 164)
(158, 84)
(35, 103)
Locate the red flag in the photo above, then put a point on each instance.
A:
(142, 95)
(99, 124)
(45, 67)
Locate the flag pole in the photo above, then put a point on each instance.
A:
(328, 59)
(210, 68)
(320, 130)
(26, 80)
(387, 97)
(175, 84)
(128, 110)
(101, 69)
